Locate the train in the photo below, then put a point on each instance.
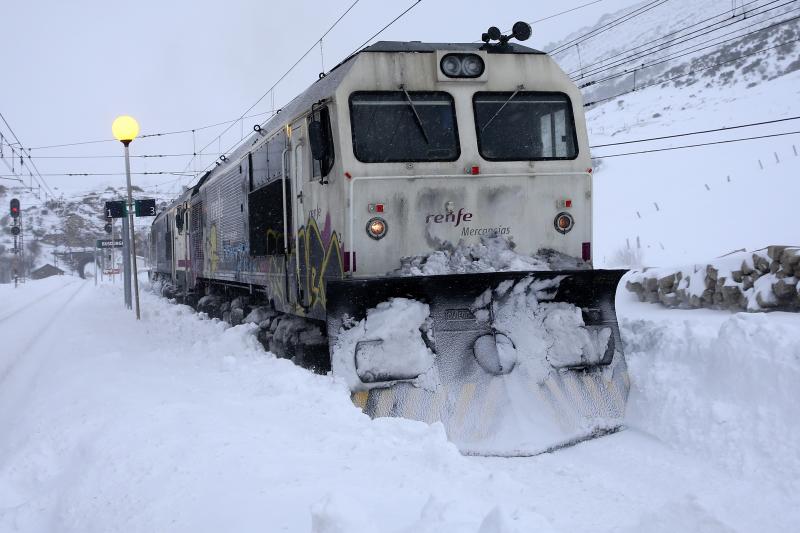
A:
(402, 150)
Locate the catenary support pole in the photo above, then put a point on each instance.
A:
(132, 228)
(126, 261)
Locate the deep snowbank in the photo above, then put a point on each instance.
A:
(723, 389)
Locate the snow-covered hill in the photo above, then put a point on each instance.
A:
(689, 205)
(69, 223)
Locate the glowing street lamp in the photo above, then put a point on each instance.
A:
(125, 130)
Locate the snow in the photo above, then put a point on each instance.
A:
(711, 200)
(179, 423)
(724, 393)
(492, 254)
(386, 346)
(543, 334)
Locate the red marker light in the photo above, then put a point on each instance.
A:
(14, 208)
(348, 175)
(379, 208)
(568, 203)
(476, 170)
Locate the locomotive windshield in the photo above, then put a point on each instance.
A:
(396, 126)
(525, 126)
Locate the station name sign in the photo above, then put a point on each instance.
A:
(109, 243)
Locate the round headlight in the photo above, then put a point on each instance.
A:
(563, 222)
(451, 65)
(472, 66)
(462, 65)
(376, 228)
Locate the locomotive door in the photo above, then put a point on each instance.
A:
(298, 170)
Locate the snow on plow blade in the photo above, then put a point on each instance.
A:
(511, 363)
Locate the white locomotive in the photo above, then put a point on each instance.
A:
(402, 149)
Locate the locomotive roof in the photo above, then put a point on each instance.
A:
(417, 46)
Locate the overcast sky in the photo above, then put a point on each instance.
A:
(70, 67)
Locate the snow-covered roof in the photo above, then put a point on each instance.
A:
(417, 46)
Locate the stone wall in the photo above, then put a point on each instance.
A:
(763, 280)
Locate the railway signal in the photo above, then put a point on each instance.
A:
(107, 228)
(14, 208)
(145, 208)
(116, 209)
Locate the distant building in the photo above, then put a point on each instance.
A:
(46, 271)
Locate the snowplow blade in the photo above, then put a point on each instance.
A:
(521, 363)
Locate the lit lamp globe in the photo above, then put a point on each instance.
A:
(125, 129)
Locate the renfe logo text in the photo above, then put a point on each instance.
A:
(455, 217)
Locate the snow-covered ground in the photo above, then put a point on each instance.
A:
(693, 204)
(178, 423)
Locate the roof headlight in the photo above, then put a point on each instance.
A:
(472, 66)
(376, 228)
(462, 65)
(451, 65)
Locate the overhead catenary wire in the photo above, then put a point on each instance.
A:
(699, 132)
(39, 179)
(607, 26)
(697, 145)
(147, 135)
(282, 77)
(683, 53)
(142, 156)
(384, 28)
(588, 70)
(694, 71)
(692, 48)
(161, 172)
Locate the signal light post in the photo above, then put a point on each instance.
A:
(125, 130)
(16, 230)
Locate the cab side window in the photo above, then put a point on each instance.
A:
(321, 133)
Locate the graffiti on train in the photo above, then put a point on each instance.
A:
(321, 259)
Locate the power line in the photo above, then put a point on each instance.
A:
(660, 39)
(282, 76)
(683, 53)
(700, 132)
(172, 173)
(698, 145)
(607, 26)
(157, 134)
(398, 17)
(40, 179)
(554, 15)
(144, 156)
(562, 13)
(667, 80)
(701, 32)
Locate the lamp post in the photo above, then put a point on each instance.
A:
(125, 130)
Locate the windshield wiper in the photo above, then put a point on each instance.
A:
(416, 115)
(501, 108)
